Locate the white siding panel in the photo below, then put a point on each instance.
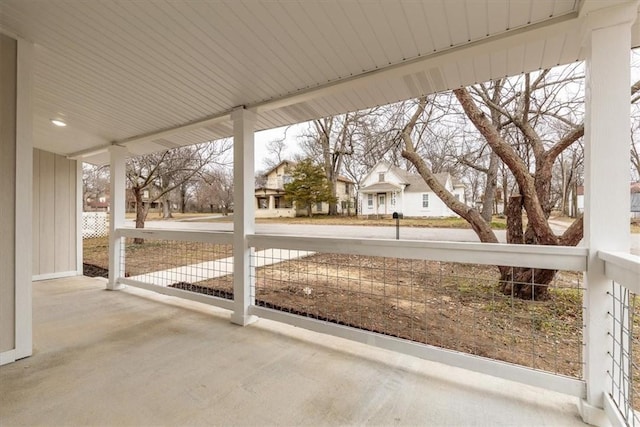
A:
(54, 214)
(416, 23)
(476, 17)
(46, 226)
(553, 49)
(515, 60)
(499, 64)
(497, 17)
(466, 71)
(452, 76)
(434, 15)
(482, 68)
(8, 196)
(519, 14)
(544, 9)
(35, 218)
(455, 16)
(533, 55)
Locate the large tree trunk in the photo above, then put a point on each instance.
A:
(530, 283)
(166, 208)
(525, 283)
(333, 204)
(141, 212)
(490, 188)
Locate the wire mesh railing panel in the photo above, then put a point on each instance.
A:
(200, 267)
(624, 352)
(527, 317)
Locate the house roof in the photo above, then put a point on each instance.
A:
(413, 181)
(284, 162)
(293, 164)
(154, 75)
(380, 187)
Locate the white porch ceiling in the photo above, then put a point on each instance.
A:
(122, 71)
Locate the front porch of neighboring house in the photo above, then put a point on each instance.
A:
(213, 327)
(380, 200)
(272, 203)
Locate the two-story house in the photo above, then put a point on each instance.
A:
(271, 201)
(387, 189)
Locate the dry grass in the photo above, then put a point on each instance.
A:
(157, 216)
(497, 223)
(154, 255)
(453, 306)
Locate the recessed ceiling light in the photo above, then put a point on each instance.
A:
(58, 122)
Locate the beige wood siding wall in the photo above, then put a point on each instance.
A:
(54, 214)
(8, 51)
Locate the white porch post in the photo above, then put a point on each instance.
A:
(243, 213)
(23, 206)
(117, 168)
(607, 162)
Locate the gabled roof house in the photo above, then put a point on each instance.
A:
(387, 189)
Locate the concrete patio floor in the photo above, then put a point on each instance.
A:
(133, 357)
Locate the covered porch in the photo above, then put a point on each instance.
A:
(141, 358)
(151, 353)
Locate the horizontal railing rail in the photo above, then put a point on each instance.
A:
(220, 237)
(623, 268)
(204, 299)
(203, 260)
(530, 256)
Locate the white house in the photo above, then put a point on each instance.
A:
(387, 189)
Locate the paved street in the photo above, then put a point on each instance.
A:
(356, 231)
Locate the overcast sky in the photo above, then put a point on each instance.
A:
(263, 137)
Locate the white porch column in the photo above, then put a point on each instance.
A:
(607, 163)
(24, 199)
(117, 168)
(243, 213)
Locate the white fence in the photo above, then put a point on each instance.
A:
(95, 224)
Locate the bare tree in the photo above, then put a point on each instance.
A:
(332, 141)
(547, 125)
(95, 183)
(160, 173)
(219, 189)
(276, 149)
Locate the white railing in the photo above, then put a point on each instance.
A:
(273, 256)
(623, 402)
(307, 276)
(170, 267)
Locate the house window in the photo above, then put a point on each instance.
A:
(319, 206)
(457, 197)
(425, 200)
(369, 200)
(263, 203)
(346, 188)
(381, 177)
